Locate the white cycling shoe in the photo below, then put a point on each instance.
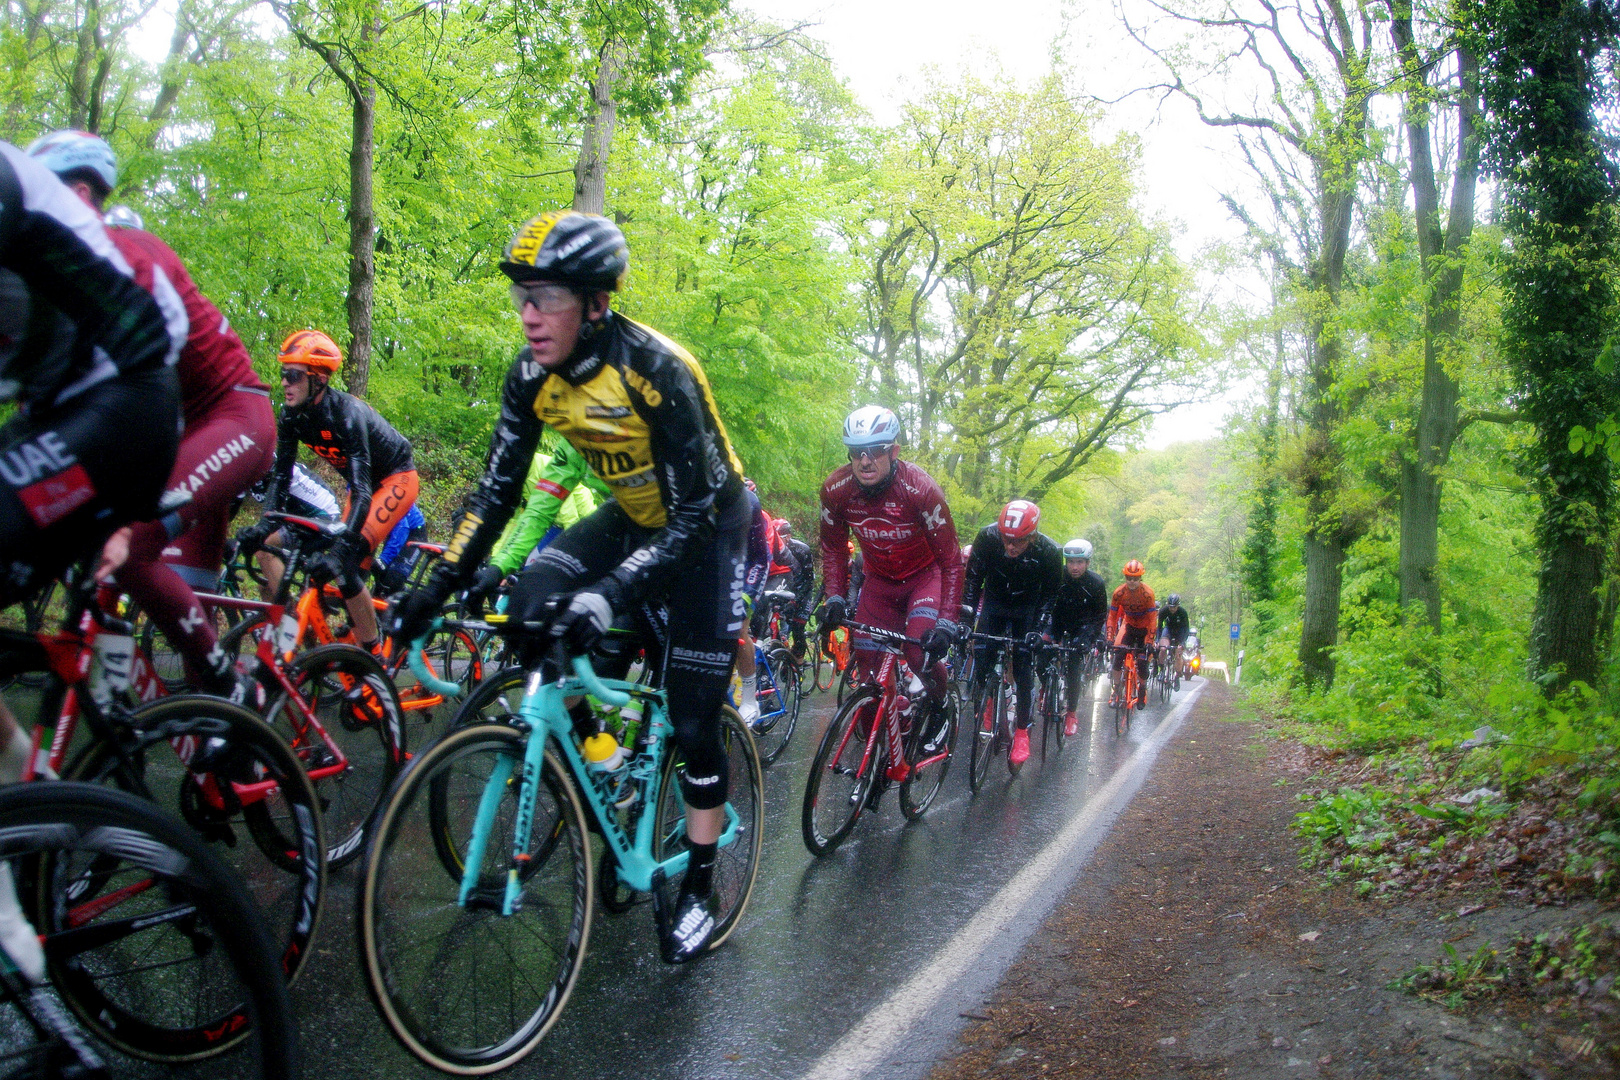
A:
(17, 935)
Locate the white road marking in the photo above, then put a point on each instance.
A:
(870, 1042)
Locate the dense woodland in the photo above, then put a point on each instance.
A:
(1412, 515)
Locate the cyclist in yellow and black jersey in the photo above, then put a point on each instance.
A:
(639, 408)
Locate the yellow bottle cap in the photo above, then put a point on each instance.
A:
(600, 747)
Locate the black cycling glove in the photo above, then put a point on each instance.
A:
(938, 639)
(832, 613)
(414, 615)
(580, 619)
(484, 584)
(252, 538)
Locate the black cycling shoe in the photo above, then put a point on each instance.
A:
(684, 933)
(936, 727)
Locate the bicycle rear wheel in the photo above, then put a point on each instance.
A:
(463, 987)
(284, 868)
(773, 730)
(737, 864)
(149, 938)
(918, 790)
(846, 682)
(346, 689)
(841, 774)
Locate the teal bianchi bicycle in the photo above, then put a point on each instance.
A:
(478, 891)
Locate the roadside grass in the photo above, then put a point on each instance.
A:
(1569, 972)
(1437, 764)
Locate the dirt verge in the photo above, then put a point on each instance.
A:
(1192, 944)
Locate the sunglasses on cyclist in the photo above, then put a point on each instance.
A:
(548, 299)
(289, 377)
(870, 453)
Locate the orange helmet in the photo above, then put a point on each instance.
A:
(1134, 569)
(313, 350)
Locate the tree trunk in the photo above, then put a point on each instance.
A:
(169, 90)
(1440, 253)
(1567, 608)
(84, 60)
(1324, 574)
(1259, 559)
(1611, 600)
(1327, 534)
(362, 233)
(590, 171)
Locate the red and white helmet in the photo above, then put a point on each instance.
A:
(1019, 518)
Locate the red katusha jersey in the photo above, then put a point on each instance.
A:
(903, 528)
(213, 361)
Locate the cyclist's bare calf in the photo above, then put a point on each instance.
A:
(362, 612)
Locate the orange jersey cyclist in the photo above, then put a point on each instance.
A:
(1133, 617)
(908, 541)
(639, 408)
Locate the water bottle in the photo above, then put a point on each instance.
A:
(630, 721)
(610, 766)
(603, 754)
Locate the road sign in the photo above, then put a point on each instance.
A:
(1236, 627)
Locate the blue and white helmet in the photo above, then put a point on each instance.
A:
(122, 217)
(871, 425)
(64, 152)
(1077, 549)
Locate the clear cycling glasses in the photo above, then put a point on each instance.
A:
(548, 299)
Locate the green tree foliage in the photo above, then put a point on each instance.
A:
(1016, 309)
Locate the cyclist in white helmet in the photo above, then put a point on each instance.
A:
(1078, 617)
(913, 561)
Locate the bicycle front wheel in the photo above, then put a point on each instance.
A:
(846, 682)
(929, 753)
(148, 937)
(344, 702)
(841, 774)
(773, 730)
(986, 716)
(1056, 701)
(1124, 698)
(465, 988)
(736, 864)
(238, 779)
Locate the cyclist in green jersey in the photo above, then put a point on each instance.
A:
(560, 491)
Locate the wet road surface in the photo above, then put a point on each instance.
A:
(824, 941)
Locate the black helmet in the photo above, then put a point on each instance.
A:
(1174, 600)
(569, 248)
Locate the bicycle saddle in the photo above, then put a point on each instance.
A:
(781, 595)
(328, 529)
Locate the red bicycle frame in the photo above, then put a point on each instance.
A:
(888, 720)
(122, 667)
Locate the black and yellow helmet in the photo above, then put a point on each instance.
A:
(570, 248)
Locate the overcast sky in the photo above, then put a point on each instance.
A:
(884, 47)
